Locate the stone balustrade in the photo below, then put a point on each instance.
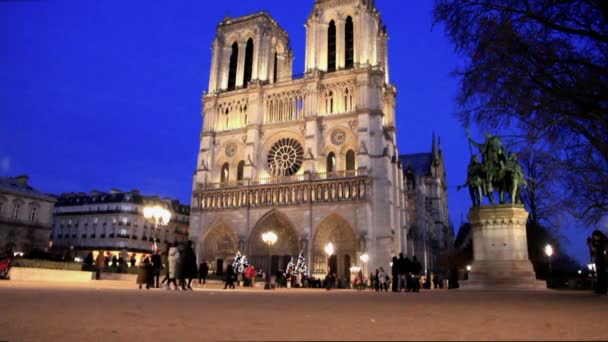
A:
(282, 191)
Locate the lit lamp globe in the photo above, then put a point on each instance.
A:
(159, 216)
(549, 250)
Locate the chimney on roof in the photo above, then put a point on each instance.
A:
(22, 179)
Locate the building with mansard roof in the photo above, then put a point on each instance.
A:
(311, 157)
(114, 222)
(25, 215)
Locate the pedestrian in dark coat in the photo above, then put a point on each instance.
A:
(403, 267)
(395, 274)
(229, 277)
(189, 264)
(180, 271)
(143, 273)
(203, 270)
(416, 268)
(156, 267)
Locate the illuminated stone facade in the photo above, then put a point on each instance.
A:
(312, 157)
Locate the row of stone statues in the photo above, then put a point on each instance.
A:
(495, 174)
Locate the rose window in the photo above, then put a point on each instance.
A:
(285, 157)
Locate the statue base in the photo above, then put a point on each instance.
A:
(500, 250)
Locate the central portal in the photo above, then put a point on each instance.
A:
(282, 251)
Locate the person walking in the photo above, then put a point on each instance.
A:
(203, 270)
(404, 264)
(190, 271)
(100, 263)
(142, 274)
(395, 273)
(383, 278)
(229, 280)
(377, 280)
(156, 267)
(172, 261)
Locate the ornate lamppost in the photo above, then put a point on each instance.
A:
(158, 216)
(269, 238)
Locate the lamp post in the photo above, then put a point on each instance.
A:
(364, 259)
(159, 216)
(269, 238)
(329, 249)
(549, 252)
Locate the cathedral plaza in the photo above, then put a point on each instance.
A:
(117, 311)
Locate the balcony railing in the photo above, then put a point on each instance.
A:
(284, 179)
(278, 191)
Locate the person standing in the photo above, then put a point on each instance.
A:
(189, 265)
(416, 268)
(180, 270)
(100, 263)
(156, 266)
(172, 261)
(203, 270)
(142, 275)
(598, 253)
(395, 273)
(229, 277)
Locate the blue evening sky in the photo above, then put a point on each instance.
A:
(106, 94)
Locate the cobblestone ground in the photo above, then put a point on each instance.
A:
(118, 312)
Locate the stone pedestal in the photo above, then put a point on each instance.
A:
(500, 249)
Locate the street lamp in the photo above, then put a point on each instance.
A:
(269, 238)
(329, 249)
(159, 216)
(549, 252)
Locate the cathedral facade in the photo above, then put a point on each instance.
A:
(312, 157)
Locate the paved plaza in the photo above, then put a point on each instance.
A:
(115, 311)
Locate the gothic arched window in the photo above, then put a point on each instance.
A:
(331, 162)
(234, 58)
(350, 160)
(248, 63)
(331, 47)
(225, 172)
(349, 40)
(240, 170)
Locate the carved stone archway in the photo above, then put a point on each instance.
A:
(220, 243)
(285, 247)
(335, 229)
